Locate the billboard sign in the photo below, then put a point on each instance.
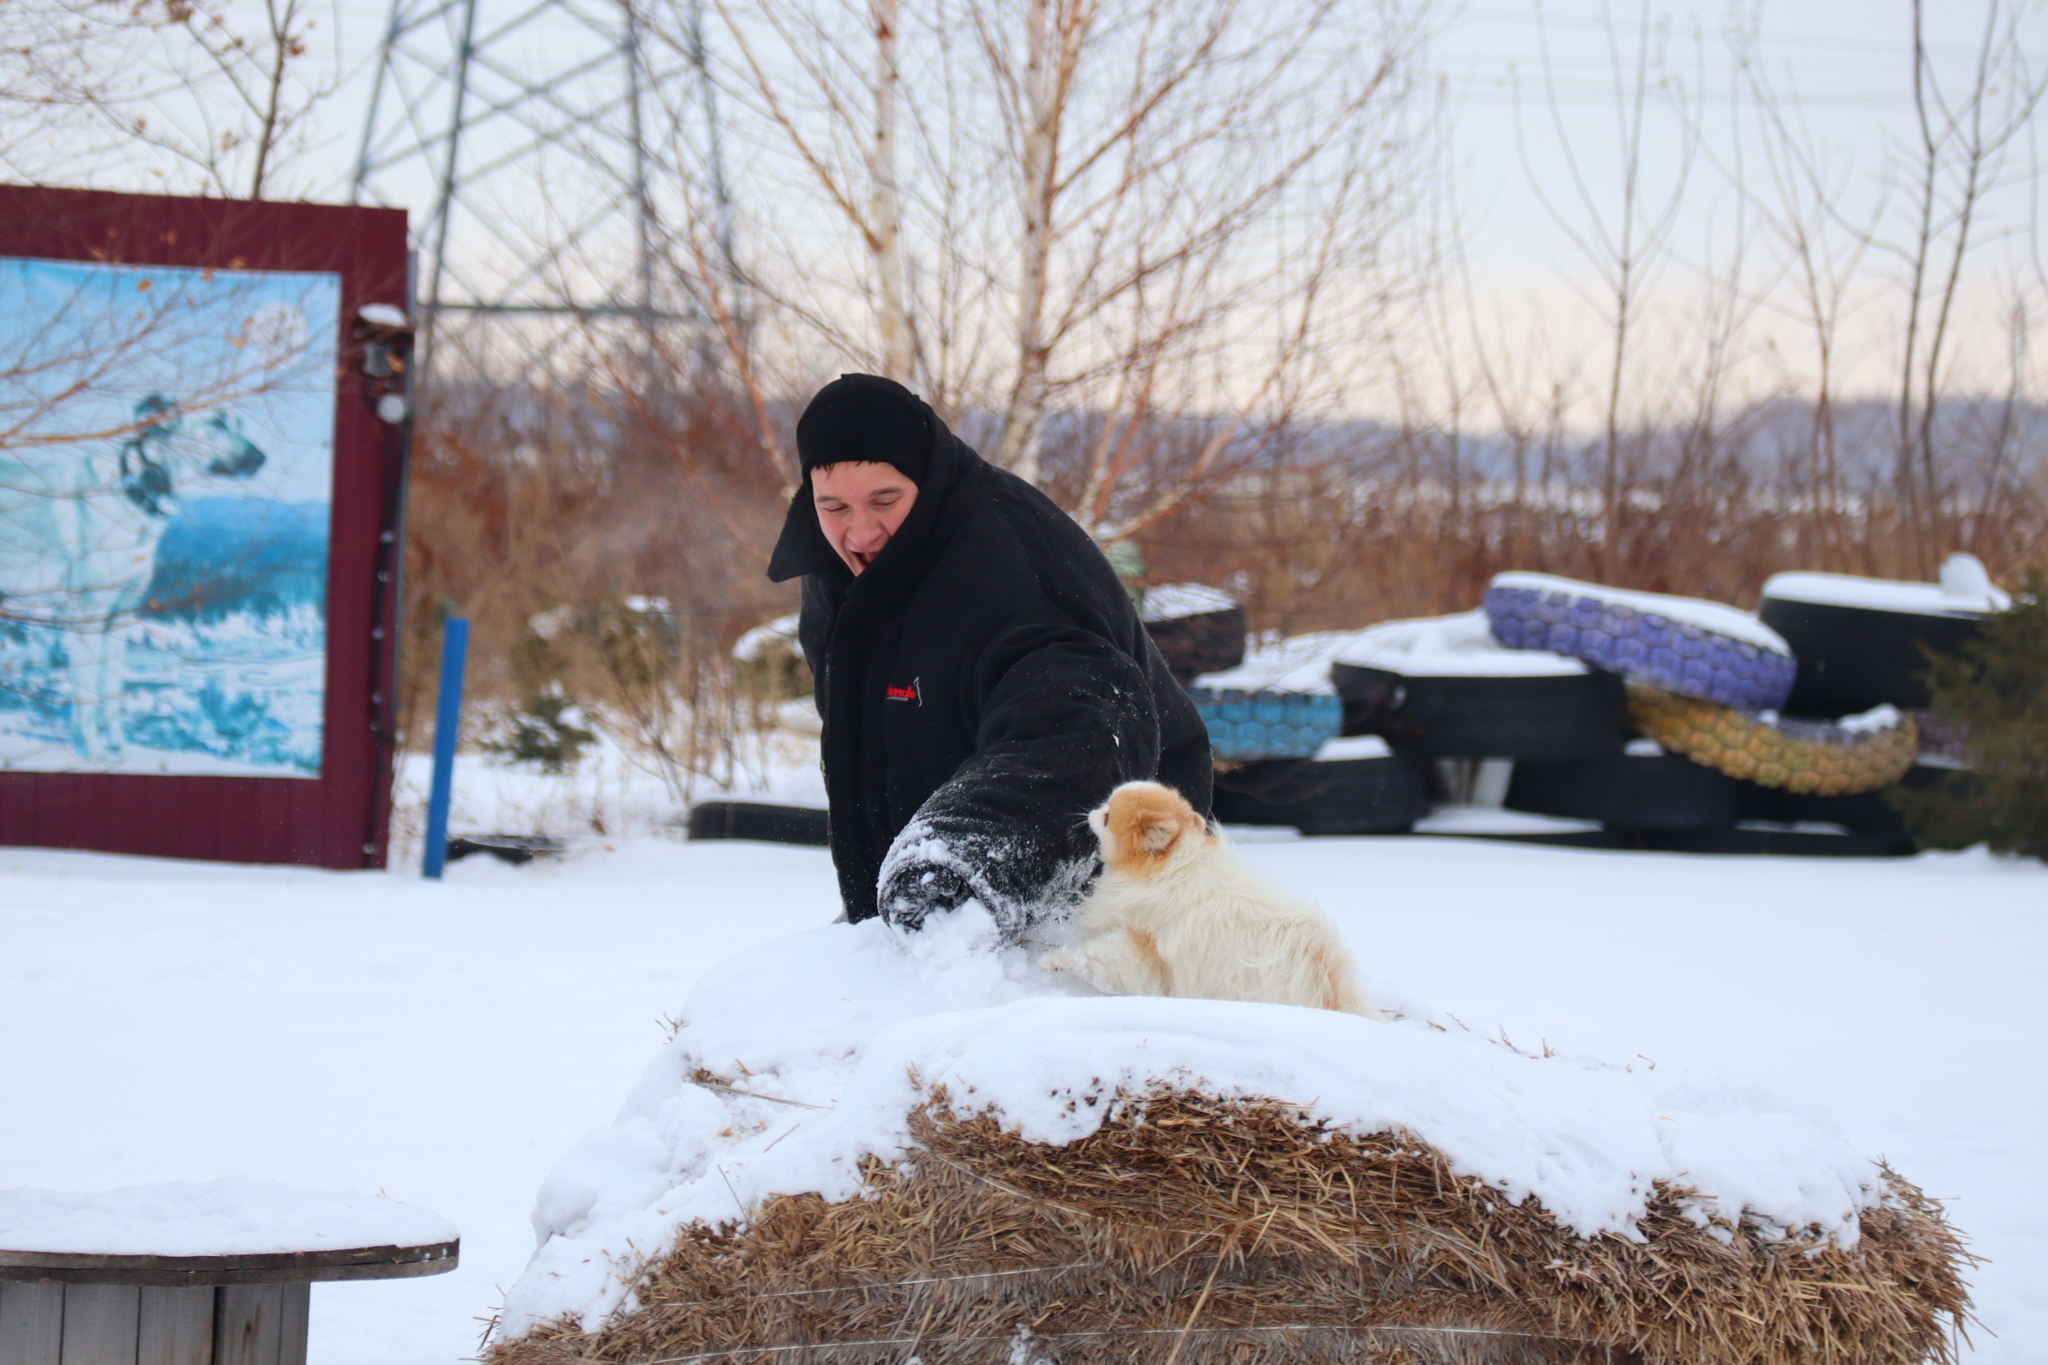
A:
(164, 504)
(198, 519)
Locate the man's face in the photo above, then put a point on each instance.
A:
(860, 505)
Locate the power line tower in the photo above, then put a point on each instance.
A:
(553, 141)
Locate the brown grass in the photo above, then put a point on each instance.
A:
(1194, 1229)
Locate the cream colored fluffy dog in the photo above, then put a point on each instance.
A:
(1176, 913)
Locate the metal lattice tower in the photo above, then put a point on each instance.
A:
(552, 140)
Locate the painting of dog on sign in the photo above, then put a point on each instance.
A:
(166, 466)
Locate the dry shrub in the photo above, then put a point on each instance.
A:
(577, 503)
(1194, 1229)
(1397, 522)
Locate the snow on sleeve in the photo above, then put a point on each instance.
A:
(1457, 646)
(801, 1057)
(214, 1218)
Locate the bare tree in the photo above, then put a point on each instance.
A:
(1956, 163)
(1804, 207)
(1133, 215)
(1622, 233)
(182, 89)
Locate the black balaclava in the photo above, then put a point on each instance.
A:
(865, 418)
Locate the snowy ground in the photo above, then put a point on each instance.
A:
(448, 1043)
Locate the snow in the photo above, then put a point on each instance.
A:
(610, 795)
(1299, 663)
(1430, 647)
(447, 1043)
(1458, 646)
(1874, 721)
(1964, 590)
(753, 647)
(1352, 747)
(1172, 601)
(1695, 611)
(213, 1218)
(888, 1022)
(1490, 819)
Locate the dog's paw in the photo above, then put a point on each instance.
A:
(1061, 960)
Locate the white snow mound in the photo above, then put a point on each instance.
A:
(1456, 646)
(753, 646)
(1965, 589)
(1298, 663)
(1172, 601)
(819, 1046)
(231, 1217)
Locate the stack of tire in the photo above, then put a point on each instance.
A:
(1274, 722)
(1736, 763)
(1443, 688)
(1862, 643)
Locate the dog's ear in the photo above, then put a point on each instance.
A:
(1158, 830)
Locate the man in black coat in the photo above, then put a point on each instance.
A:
(983, 679)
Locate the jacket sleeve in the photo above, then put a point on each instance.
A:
(1068, 717)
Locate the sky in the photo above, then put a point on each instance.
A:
(1843, 69)
(1849, 65)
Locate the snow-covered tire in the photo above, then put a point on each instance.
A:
(1854, 658)
(1646, 637)
(1633, 792)
(1194, 645)
(1248, 725)
(1350, 796)
(1578, 715)
(758, 821)
(1800, 756)
(1199, 629)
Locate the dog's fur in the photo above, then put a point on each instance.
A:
(1176, 913)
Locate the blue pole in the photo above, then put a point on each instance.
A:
(447, 725)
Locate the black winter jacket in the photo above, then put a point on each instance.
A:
(983, 685)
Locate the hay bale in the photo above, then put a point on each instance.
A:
(1189, 1228)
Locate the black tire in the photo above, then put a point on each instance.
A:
(1194, 645)
(1350, 796)
(1749, 840)
(755, 820)
(1652, 792)
(1863, 813)
(1854, 658)
(515, 849)
(1581, 716)
(1608, 839)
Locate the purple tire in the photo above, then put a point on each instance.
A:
(1640, 642)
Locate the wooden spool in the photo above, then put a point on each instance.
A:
(71, 1308)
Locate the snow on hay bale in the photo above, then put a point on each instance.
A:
(1183, 1215)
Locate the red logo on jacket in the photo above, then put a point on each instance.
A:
(906, 693)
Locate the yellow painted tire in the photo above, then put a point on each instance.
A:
(1800, 756)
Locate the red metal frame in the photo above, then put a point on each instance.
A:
(341, 820)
